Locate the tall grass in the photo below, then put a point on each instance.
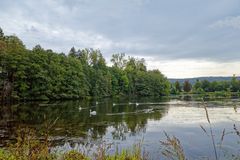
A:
(218, 148)
(29, 147)
(211, 132)
(172, 148)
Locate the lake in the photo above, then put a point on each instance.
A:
(124, 122)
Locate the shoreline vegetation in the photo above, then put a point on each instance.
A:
(41, 74)
(29, 147)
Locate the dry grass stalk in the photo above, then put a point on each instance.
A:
(172, 148)
(211, 131)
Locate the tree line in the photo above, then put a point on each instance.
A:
(206, 86)
(38, 74)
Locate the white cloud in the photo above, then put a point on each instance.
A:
(232, 22)
(193, 68)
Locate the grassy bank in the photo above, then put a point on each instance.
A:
(29, 147)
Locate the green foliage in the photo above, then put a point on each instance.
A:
(217, 88)
(209, 89)
(40, 74)
(28, 147)
(6, 155)
(178, 86)
(131, 154)
(235, 84)
(187, 87)
(72, 52)
(175, 88)
(74, 155)
(1, 33)
(135, 154)
(119, 60)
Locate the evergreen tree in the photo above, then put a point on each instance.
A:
(1, 33)
(187, 86)
(178, 86)
(72, 52)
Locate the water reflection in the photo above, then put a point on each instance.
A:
(126, 121)
(74, 118)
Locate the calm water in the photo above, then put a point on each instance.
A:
(127, 122)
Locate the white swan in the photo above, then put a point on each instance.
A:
(150, 110)
(93, 113)
(137, 104)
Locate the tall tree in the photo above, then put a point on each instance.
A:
(72, 52)
(1, 33)
(178, 86)
(235, 84)
(187, 86)
(119, 60)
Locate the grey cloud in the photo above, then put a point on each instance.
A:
(160, 29)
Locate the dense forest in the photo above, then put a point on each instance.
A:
(40, 74)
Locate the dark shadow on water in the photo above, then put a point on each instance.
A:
(74, 119)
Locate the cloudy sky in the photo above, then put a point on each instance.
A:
(182, 38)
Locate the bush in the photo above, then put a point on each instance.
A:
(74, 155)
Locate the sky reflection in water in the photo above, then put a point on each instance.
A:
(124, 124)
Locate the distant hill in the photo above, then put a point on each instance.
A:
(193, 80)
